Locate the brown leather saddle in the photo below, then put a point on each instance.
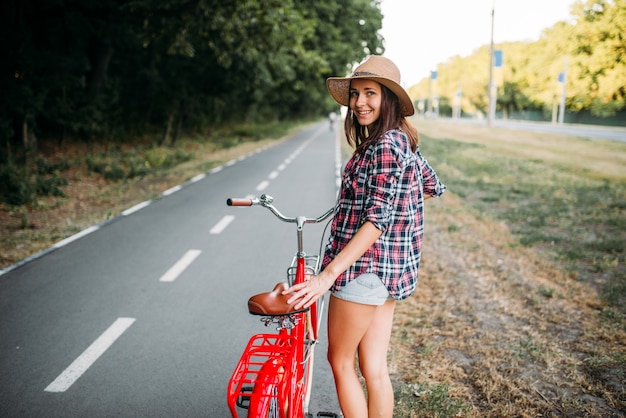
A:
(272, 303)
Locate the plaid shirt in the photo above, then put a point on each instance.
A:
(385, 185)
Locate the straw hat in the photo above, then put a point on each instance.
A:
(376, 68)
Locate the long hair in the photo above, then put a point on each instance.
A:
(360, 137)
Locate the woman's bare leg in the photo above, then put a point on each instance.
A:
(373, 362)
(347, 324)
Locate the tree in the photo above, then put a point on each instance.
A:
(598, 65)
(596, 81)
(101, 69)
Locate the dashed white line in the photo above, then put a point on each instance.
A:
(180, 266)
(172, 190)
(262, 185)
(76, 236)
(222, 224)
(89, 356)
(273, 175)
(197, 178)
(137, 207)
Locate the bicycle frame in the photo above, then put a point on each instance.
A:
(274, 374)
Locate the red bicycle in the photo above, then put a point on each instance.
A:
(273, 378)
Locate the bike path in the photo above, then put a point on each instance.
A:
(182, 337)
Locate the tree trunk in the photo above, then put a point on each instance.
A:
(179, 127)
(29, 139)
(99, 60)
(168, 129)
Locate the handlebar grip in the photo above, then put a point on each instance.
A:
(233, 201)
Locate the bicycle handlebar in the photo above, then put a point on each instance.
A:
(233, 201)
(266, 202)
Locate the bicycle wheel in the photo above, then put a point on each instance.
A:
(266, 406)
(312, 326)
(268, 398)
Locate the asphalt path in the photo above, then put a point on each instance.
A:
(146, 315)
(612, 133)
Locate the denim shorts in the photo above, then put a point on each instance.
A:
(366, 289)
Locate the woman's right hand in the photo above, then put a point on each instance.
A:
(305, 294)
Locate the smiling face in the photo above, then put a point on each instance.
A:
(365, 100)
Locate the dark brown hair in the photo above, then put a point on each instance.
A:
(390, 118)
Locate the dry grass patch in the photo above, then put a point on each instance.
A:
(499, 327)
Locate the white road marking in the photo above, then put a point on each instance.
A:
(273, 175)
(180, 266)
(89, 356)
(262, 185)
(172, 190)
(197, 178)
(137, 207)
(222, 224)
(76, 236)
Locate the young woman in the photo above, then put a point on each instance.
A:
(373, 253)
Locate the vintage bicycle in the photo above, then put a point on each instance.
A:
(273, 377)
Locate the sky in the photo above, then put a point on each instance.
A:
(419, 34)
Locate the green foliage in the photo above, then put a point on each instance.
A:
(116, 165)
(15, 189)
(101, 70)
(596, 69)
(428, 400)
(20, 186)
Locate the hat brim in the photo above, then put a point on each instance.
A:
(339, 89)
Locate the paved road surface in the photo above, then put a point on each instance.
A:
(146, 316)
(613, 133)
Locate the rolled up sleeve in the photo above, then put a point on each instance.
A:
(432, 185)
(384, 172)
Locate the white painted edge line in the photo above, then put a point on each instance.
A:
(172, 190)
(135, 208)
(89, 356)
(197, 178)
(76, 236)
(222, 224)
(180, 266)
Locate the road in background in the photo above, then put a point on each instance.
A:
(614, 133)
(147, 315)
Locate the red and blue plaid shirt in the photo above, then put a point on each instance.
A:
(384, 184)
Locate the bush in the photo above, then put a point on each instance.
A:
(15, 188)
(18, 187)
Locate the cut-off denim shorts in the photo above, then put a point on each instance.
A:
(366, 289)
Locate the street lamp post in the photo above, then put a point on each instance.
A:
(563, 92)
(491, 87)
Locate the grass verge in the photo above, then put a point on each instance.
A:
(520, 307)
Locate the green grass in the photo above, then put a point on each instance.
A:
(425, 400)
(576, 216)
